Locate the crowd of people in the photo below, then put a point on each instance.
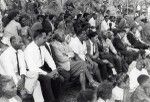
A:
(41, 53)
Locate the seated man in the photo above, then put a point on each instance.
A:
(134, 41)
(108, 51)
(141, 94)
(79, 47)
(35, 56)
(67, 66)
(93, 53)
(135, 72)
(13, 63)
(122, 48)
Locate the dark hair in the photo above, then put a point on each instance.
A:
(38, 33)
(91, 34)
(46, 25)
(111, 17)
(79, 15)
(121, 31)
(51, 16)
(23, 16)
(133, 27)
(106, 16)
(136, 17)
(40, 16)
(67, 15)
(142, 78)
(11, 16)
(105, 90)
(70, 4)
(85, 95)
(85, 15)
(107, 11)
(12, 38)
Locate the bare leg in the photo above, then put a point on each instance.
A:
(82, 81)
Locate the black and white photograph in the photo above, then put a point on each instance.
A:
(74, 50)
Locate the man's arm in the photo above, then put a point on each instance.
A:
(29, 58)
(48, 58)
(59, 55)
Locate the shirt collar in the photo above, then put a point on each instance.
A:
(12, 49)
(119, 36)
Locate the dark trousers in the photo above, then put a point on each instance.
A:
(129, 56)
(50, 87)
(105, 69)
(46, 86)
(112, 59)
(140, 45)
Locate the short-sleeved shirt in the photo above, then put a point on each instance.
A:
(12, 29)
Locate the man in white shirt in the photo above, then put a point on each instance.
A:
(79, 47)
(104, 24)
(35, 55)
(13, 62)
(92, 22)
(134, 73)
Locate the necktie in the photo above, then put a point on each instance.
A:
(48, 49)
(93, 48)
(18, 63)
(40, 54)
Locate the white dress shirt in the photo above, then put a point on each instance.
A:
(113, 24)
(8, 61)
(92, 47)
(125, 40)
(35, 58)
(92, 22)
(101, 100)
(104, 26)
(117, 93)
(78, 47)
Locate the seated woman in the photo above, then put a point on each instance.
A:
(8, 90)
(141, 94)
